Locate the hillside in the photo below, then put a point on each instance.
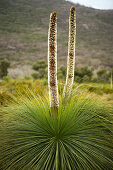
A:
(24, 32)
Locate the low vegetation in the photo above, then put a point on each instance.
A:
(81, 74)
(9, 87)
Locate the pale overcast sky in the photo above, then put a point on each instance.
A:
(98, 4)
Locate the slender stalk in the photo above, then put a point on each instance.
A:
(52, 63)
(71, 53)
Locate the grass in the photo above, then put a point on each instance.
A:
(79, 138)
(11, 86)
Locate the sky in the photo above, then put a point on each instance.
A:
(98, 4)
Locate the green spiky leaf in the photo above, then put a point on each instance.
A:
(80, 138)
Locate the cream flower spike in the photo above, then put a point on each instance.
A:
(71, 53)
(52, 63)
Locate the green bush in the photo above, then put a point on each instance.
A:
(40, 64)
(4, 65)
(86, 78)
(7, 78)
(78, 79)
(35, 76)
(42, 73)
(28, 78)
(102, 75)
(41, 67)
(81, 137)
(83, 74)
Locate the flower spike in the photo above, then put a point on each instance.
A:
(52, 63)
(71, 53)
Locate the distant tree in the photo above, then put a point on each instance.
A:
(40, 64)
(4, 65)
(83, 74)
(101, 72)
(35, 76)
(42, 73)
(78, 79)
(86, 78)
(41, 67)
(102, 75)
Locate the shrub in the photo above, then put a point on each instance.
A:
(35, 76)
(42, 73)
(82, 72)
(78, 79)
(41, 67)
(6, 78)
(4, 65)
(28, 78)
(86, 78)
(102, 75)
(40, 64)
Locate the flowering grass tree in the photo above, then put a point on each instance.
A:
(33, 136)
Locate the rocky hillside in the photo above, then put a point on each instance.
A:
(24, 32)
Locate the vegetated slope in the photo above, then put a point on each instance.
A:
(24, 32)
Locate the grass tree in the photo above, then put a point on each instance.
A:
(81, 137)
(52, 63)
(71, 53)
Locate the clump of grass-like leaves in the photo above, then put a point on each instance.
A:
(81, 137)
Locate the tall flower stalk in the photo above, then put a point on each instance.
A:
(52, 63)
(71, 53)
